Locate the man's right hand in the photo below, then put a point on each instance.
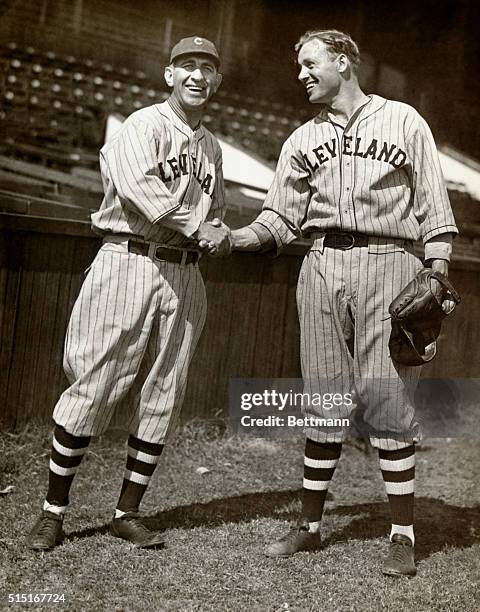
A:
(214, 238)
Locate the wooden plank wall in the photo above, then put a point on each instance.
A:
(40, 279)
(251, 329)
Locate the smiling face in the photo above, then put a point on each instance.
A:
(320, 71)
(194, 79)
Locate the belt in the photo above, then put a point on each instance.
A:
(163, 253)
(345, 240)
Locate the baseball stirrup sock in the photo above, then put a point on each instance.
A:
(398, 471)
(66, 456)
(142, 460)
(320, 461)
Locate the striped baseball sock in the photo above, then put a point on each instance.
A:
(398, 471)
(142, 460)
(66, 456)
(320, 461)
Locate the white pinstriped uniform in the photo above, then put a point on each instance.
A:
(138, 319)
(378, 175)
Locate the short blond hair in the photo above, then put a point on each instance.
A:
(336, 42)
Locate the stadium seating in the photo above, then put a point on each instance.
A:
(61, 103)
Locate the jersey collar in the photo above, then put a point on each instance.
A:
(372, 106)
(375, 104)
(176, 116)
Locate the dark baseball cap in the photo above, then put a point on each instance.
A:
(196, 45)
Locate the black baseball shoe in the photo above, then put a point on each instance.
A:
(400, 560)
(298, 539)
(130, 527)
(47, 532)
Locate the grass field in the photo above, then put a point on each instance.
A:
(217, 524)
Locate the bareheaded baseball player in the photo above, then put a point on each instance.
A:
(141, 309)
(363, 181)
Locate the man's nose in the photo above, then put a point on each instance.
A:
(303, 74)
(197, 74)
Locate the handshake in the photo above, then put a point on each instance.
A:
(214, 238)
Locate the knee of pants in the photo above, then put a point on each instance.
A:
(393, 444)
(391, 422)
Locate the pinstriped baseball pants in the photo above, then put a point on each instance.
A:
(343, 298)
(134, 327)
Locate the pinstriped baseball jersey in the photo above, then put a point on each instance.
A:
(379, 175)
(137, 319)
(157, 165)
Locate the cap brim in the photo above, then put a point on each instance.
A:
(214, 59)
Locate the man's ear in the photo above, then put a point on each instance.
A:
(168, 75)
(342, 62)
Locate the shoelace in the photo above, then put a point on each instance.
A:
(399, 551)
(292, 533)
(46, 525)
(139, 525)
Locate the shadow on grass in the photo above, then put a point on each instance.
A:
(437, 523)
(235, 509)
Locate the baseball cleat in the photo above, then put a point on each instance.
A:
(47, 532)
(298, 539)
(400, 560)
(130, 527)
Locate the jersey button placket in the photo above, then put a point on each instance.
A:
(347, 173)
(350, 178)
(192, 151)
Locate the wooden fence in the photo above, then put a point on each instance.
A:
(251, 329)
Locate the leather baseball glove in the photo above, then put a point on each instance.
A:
(417, 314)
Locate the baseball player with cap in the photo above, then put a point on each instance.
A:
(142, 306)
(363, 180)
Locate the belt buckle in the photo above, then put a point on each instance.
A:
(348, 246)
(157, 252)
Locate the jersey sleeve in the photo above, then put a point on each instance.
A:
(132, 165)
(439, 247)
(287, 200)
(182, 220)
(430, 198)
